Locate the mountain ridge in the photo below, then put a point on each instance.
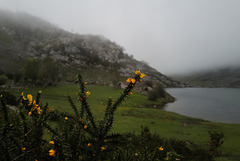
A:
(23, 36)
(219, 77)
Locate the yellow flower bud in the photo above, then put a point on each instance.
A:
(129, 80)
(133, 81)
(51, 142)
(160, 148)
(88, 93)
(103, 148)
(52, 152)
(137, 72)
(29, 113)
(142, 75)
(30, 99)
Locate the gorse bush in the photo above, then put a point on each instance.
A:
(79, 136)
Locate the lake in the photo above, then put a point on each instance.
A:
(213, 104)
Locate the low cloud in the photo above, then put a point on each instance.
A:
(172, 36)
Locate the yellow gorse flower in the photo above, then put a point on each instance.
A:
(131, 80)
(103, 148)
(52, 152)
(23, 149)
(66, 118)
(23, 97)
(141, 75)
(160, 148)
(85, 127)
(29, 113)
(88, 144)
(137, 72)
(30, 99)
(39, 110)
(51, 142)
(32, 103)
(36, 107)
(88, 93)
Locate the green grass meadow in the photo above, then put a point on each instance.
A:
(135, 112)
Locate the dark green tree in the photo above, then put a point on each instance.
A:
(157, 92)
(49, 72)
(31, 69)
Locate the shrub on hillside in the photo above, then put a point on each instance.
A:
(157, 92)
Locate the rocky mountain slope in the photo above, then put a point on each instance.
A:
(23, 36)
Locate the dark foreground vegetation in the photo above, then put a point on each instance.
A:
(34, 131)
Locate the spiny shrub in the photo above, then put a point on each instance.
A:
(148, 146)
(79, 136)
(21, 135)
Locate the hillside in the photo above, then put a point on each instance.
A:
(24, 37)
(223, 77)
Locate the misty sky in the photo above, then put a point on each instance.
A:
(173, 36)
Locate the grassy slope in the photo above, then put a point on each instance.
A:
(131, 116)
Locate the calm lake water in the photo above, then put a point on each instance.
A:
(213, 104)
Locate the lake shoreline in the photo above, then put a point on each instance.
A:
(220, 105)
